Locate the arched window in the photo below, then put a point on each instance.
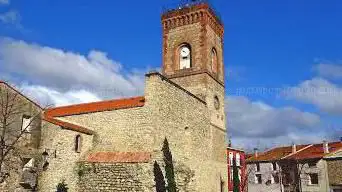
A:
(184, 55)
(214, 60)
(78, 143)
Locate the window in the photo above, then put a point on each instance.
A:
(78, 143)
(184, 56)
(216, 103)
(239, 174)
(214, 60)
(258, 179)
(257, 167)
(276, 178)
(313, 179)
(26, 123)
(312, 164)
(287, 180)
(274, 166)
(231, 174)
(238, 159)
(231, 159)
(28, 163)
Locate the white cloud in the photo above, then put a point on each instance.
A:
(11, 17)
(47, 96)
(329, 70)
(61, 71)
(256, 123)
(319, 92)
(4, 2)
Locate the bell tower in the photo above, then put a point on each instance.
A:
(193, 41)
(193, 53)
(193, 58)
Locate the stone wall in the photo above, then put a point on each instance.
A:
(321, 170)
(170, 112)
(266, 171)
(335, 171)
(114, 177)
(60, 145)
(28, 142)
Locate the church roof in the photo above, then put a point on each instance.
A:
(96, 107)
(67, 125)
(119, 157)
(50, 115)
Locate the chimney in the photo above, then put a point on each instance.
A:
(256, 152)
(294, 148)
(325, 147)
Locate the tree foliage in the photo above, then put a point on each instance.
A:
(62, 187)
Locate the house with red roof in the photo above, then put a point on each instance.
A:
(236, 157)
(296, 168)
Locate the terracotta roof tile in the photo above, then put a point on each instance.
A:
(67, 125)
(275, 153)
(96, 107)
(315, 151)
(119, 157)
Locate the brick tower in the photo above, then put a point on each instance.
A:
(193, 58)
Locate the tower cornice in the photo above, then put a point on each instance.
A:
(188, 15)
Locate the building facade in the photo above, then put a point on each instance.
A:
(237, 157)
(305, 168)
(173, 136)
(20, 125)
(334, 165)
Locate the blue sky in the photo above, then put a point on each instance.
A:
(290, 50)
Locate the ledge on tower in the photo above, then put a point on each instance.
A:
(174, 8)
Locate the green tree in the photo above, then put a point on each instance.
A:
(236, 180)
(169, 169)
(62, 187)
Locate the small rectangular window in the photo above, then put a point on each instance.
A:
(274, 166)
(312, 164)
(78, 144)
(258, 179)
(26, 125)
(231, 174)
(238, 161)
(231, 159)
(313, 179)
(257, 167)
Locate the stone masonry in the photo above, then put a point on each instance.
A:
(176, 131)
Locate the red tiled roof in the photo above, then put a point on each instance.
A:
(14, 89)
(275, 153)
(119, 157)
(315, 151)
(67, 125)
(96, 107)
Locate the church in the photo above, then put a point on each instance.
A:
(173, 137)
